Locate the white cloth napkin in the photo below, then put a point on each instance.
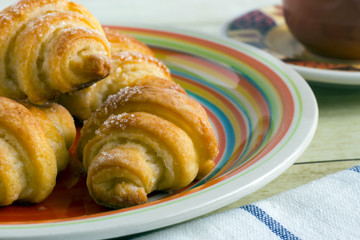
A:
(328, 208)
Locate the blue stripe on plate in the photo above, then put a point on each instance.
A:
(356, 168)
(272, 224)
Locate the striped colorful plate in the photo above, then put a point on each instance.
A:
(264, 115)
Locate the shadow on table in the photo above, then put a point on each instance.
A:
(337, 96)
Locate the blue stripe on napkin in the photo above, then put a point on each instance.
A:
(356, 168)
(271, 223)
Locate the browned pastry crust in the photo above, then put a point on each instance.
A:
(28, 164)
(170, 133)
(135, 154)
(49, 47)
(128, 69)
(59, 128)
(33, 147)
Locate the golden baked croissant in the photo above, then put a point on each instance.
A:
(142, 139)
(59, 128)
(49, 47)
(32, 144)
(133, 64)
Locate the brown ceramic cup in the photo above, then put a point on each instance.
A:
(329, 28)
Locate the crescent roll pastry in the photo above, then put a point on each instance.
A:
(59, 128)
(142, 139)
(28, 164)
(34, 145)
(128, 69)
(50, 47)
(133, 64)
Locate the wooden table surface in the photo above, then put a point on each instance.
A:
(335, 145)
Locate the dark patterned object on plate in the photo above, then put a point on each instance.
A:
(254, 20)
